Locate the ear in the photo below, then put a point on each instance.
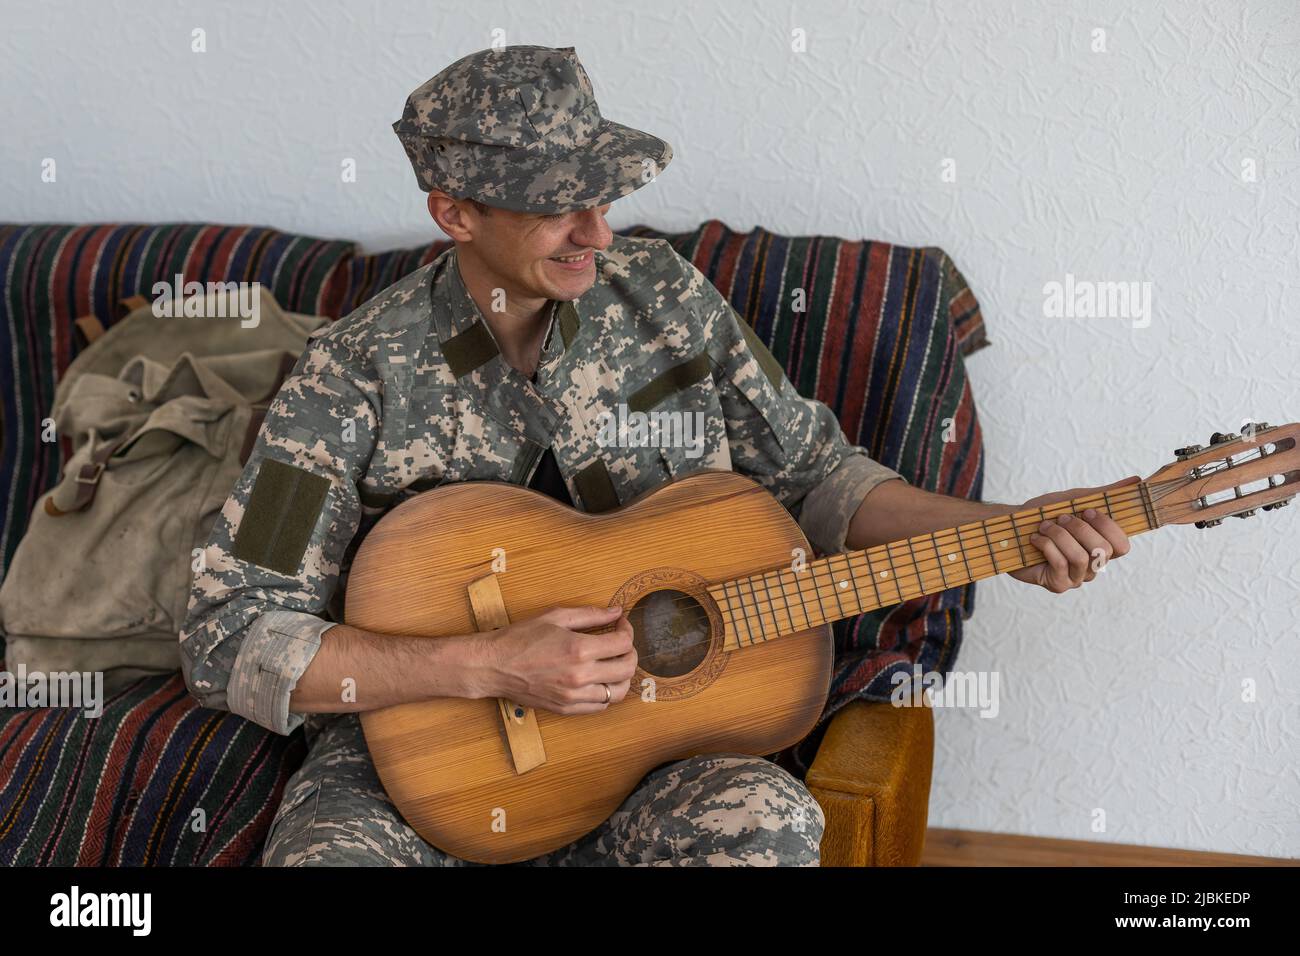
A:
(448, 213)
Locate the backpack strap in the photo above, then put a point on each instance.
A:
(87, 480)
(90, 327)
(88, 475)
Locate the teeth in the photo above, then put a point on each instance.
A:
(570, 258)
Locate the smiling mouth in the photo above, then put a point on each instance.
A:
(581, 257)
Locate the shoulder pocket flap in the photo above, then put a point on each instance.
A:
(668, 382)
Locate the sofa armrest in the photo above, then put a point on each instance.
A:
(871, 777)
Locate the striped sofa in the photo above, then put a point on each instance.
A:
(157, 780)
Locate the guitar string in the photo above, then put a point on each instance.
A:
(1129, 509)
(1029, 523)
(920, 570)
(1155, 492)
(754, 621)
(1138, 504)
(947, 536)
(1122, 512)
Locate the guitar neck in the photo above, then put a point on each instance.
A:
(808, 594)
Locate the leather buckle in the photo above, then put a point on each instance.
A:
(94, 478)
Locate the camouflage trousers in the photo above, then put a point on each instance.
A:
(714, 810)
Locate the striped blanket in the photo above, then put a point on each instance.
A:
(157, 780)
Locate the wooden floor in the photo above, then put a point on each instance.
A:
(973, 848)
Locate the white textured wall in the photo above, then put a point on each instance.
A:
(1116, 165)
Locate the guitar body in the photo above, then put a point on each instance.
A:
(447, 763)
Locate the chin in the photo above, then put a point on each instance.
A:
(565, 290)
(570, 292)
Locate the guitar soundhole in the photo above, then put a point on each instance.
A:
(671, 633)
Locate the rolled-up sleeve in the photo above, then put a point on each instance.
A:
(274, 555)
(791, 445)
(828, 508)
(273, 654)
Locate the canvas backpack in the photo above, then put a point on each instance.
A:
(161, 414)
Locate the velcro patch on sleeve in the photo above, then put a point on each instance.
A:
(675, 379)
(281, 514)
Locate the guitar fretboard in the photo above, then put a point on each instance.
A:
(786, 600)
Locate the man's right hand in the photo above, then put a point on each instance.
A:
(547, 662)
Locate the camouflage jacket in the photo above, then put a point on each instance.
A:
(409, 391)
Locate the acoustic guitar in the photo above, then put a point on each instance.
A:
(731, 614)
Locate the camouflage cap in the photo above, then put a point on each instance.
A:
(519, 128)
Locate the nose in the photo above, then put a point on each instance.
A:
(590, 229)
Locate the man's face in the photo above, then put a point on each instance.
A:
(525, 249)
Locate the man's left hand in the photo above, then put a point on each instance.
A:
(1076, 546)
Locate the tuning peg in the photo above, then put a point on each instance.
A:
(1185, 453)
(1212, 523)
(1278, 504)
(1244, 514)
(1220, 437)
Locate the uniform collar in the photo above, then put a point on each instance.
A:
(473, 357)
(461, 326)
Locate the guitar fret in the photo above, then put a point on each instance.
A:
(834, 590)
(744, 617)
(789, 621)
(1144, 493)
(1113, 511)
(1015, 529)
(898, 585)
(871, 573)
(727, 615)
(731, 611)
(771, 602)
(852, 581)
(961, 546)
(770, 605)
(934, 543)
(817, 592)
(735, 608)
(785, 599)
(798, 586)
(740, 602)
(757, 610)
(817, 587)
(916, 566)
(1042, 514)
(763, 630)
(993, 554)
(727, 611)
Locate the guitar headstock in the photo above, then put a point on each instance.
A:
(1236, 474)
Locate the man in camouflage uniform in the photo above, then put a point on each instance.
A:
(497, 361)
